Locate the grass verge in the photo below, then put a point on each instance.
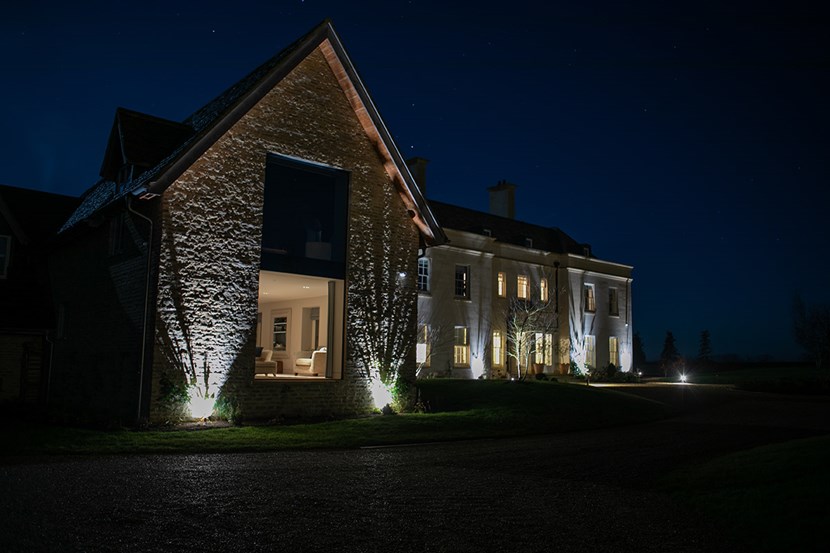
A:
(457, 410)
(772, 498)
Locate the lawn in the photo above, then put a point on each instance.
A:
(797, 379)
(773, 498)
(457, 409)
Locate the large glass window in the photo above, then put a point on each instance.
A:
(461, 347)
(462, 281)
(423, 274)
(305, 219)
(501, 285)
(613, 351)
(543, 289)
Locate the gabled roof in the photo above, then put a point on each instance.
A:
(216, 117)
(506, 230)
(33, 215)
(140, 140)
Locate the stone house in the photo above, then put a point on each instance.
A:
(502, 286)
(262, 252)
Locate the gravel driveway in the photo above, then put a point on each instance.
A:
(586, 491)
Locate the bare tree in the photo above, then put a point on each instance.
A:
(531, 329)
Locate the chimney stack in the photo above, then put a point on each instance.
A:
(503, 199)
(418, 168)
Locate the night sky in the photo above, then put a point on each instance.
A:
(689, 140)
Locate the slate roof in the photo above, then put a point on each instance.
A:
(141, 140)
(34, 214)
(210, 121)
(506, 230)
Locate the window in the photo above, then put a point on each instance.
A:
(498, 348)
(613, 351)
(564, 351)
(591, 350)
(590, 299)
(423, 274)
(543, 349)
(422, 349)
(522, 287)
(5, 247)
(501, 285)
(461, 347)
(543, 289)
(462, 281)
(529, 242)
(613, 304)
(279, 341)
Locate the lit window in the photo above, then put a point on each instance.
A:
(564, 351)
(461, 347)
(613, 304)
(522, 287)
(543, 289)
(501, 285)
(462, 281)
(590, 299)
(543, 349)
(591, 350)
(5, 246)
(422, 347)
(498, 348)
(613, 351)
(423, 274)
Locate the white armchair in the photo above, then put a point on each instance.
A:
(311, 366)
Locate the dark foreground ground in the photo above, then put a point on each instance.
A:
(586, 491)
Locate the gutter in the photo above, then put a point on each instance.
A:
(128, 200)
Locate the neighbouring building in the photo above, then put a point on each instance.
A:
(503, 291)
(28, 221)
(262, 252)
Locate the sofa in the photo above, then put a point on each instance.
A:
(267, 366)
(315, 365)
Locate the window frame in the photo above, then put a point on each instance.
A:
(501, 284)
(614, 352)
(544, 292)
(497, 349)
(591, 351)
(522, 287)
(613, 302)
(461, 351)
(462, 287)
(422, 279)
(590, 303)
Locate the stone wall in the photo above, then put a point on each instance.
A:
(211, 235)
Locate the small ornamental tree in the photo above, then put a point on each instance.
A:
(524, 320)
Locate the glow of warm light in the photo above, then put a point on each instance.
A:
(200, 404)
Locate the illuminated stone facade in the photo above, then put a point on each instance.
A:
(184, 314)
(488, 246)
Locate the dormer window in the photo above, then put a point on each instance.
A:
(487, 232)
(528, 242)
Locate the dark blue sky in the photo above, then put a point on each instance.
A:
(690, 140)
